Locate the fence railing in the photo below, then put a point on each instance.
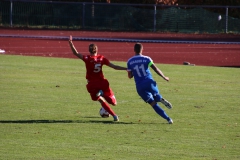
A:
(120, 17)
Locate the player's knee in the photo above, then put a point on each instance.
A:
(157, 98)
(101, 99)
(112, 102)
(152, 102)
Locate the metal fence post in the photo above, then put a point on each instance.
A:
(226, 29)
(11, 9)
(154, 20)
(83, 16)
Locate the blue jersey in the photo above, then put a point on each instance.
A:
(139, 66)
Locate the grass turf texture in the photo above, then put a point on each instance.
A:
(46, 113)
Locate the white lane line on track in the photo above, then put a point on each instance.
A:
(118, 39)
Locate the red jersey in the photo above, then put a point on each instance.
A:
(94, 66)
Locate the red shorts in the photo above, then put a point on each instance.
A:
(94, 87)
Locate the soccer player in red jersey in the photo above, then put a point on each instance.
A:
(97, 85)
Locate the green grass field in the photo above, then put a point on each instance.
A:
(46, 114)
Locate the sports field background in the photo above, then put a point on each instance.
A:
(47, 114)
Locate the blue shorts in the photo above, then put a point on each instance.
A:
(148, 91)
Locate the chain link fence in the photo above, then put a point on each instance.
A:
(118, 17)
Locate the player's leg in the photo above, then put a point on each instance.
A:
(108, 93)
(160, 111)
(106, 97)
(166, 103)
(109, 96)
(158, 97)
(106, 106)
(147, 96)
(94, 93)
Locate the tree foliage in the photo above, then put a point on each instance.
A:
(165, 2)
(235, 12)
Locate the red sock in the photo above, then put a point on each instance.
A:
(108, 108)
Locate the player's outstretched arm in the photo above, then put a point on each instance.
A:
(159, 72)
(117, 67)
(74, 50)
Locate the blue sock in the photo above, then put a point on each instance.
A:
(161, 112)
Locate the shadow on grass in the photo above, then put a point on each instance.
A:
(75, 121)
(63, 121)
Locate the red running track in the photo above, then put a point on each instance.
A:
(167, 53)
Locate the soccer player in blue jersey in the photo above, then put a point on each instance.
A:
(138, 67)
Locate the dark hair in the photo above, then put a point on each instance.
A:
(138, 47)
(93, 48)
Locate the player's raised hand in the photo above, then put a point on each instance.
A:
(75, 52)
